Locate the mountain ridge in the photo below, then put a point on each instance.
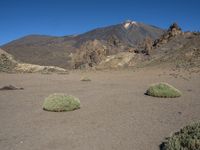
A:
(57, 50)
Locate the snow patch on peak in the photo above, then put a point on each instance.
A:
(126, 25)
(129, 23)
(134, 22)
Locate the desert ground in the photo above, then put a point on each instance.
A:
(115, 113)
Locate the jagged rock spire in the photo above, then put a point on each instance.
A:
(174, 26)
(173, 31)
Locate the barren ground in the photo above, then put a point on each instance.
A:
(115, 114)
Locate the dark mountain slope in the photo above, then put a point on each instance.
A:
(42, 50)
(128, 32)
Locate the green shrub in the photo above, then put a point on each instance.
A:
(85, 79)
(163, 90)
(61, 102)
(188, 138)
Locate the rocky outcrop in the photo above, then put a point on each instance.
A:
(90, 54)
(113, 41)
(148, 45)
(145, 47)
(120, 60)
(7, 63)
(177, 49)
(30, 68)
(173, 31)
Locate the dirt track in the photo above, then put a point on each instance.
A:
(115, 114)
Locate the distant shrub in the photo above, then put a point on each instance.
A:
(61, 102)
(163, 90)
(188, 138)
(85, 79)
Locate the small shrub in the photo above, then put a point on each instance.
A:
(61, 102)
(163, 90)
(188, 138)
(85, 79)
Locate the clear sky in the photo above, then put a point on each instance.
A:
(65, 17)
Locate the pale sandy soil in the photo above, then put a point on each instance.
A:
(115, 114)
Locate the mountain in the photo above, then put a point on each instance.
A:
(129, 32)
(84, 49)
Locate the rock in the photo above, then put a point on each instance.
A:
(173, 31)
(113, 41)
(10, 87)
(148, 45)
(145, 47)
(120, 60)
(90, 54)
(132, 50)
(7, 63)
(30, 68)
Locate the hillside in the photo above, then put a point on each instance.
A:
(9, 64)
(173, 49)
(176, 48)
(58, 51)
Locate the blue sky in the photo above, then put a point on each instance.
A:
(66, 17)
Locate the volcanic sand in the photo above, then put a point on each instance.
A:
(114, 115)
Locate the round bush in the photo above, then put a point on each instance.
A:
(61, 102)
(85, 79)
(188, 138)
(163, 90)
